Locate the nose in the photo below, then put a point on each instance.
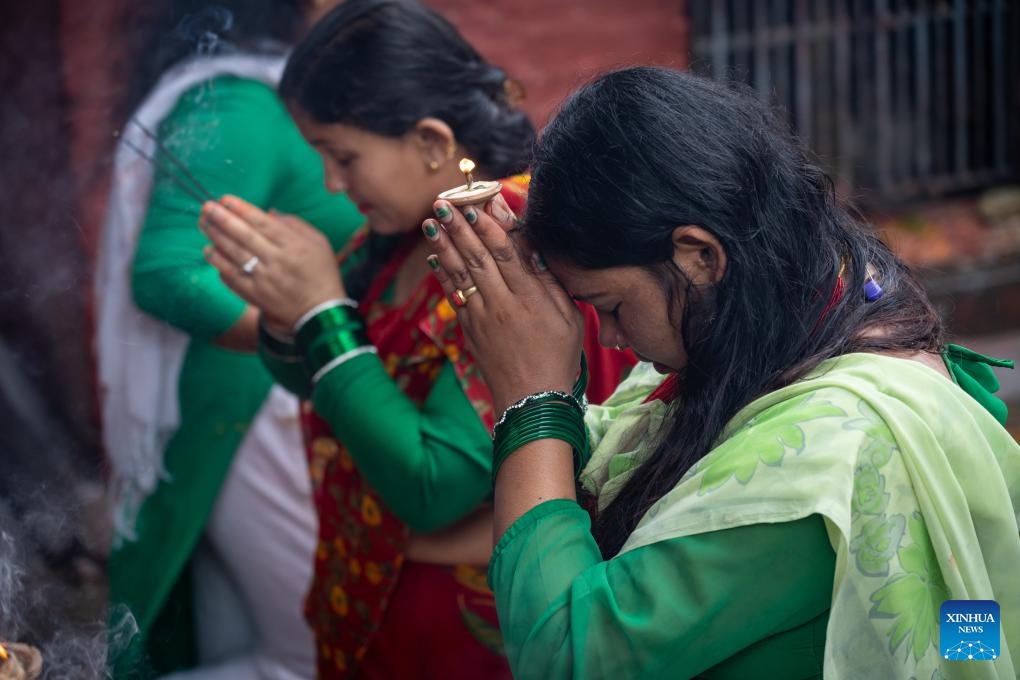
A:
(333, 179)
(609, 336)
(334, 183)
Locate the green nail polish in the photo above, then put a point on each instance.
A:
(442, 212)
(539, 261)
(431, 230)
(433, 261)
(471, 215)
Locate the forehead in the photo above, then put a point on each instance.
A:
(591, 283)
(334, 134)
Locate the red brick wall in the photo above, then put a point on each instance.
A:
(553, 46)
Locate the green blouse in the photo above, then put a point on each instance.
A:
(431, 464)
(236, 137)
(686, 607)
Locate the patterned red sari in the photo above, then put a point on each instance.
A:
(374, 614)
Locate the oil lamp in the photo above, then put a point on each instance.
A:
(474, 191)
(19, 662)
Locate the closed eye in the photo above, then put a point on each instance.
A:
(342, 161)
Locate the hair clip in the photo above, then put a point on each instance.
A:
(872, 291)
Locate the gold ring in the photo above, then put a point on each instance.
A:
(461, 296)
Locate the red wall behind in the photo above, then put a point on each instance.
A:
(553, 46)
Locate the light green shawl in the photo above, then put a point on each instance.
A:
(919, 487)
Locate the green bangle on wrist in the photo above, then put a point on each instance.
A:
(337, 317)
(545, 415)
(334, 343)
(276, 346)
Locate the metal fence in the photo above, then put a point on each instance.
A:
(901, 99)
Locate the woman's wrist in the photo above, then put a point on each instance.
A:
(503, 399)
(543, 415)
(331, 336)
(338, 313)
(275, 341)
(319, 308)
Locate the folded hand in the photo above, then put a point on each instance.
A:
(521, 325)
(278, 263)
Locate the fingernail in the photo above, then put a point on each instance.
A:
(500, 211)
(539, 261)
(431, 229)
(207, 251)
(433, 261)
(443, 212)
(470, 215)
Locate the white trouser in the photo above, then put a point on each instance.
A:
(255, 562)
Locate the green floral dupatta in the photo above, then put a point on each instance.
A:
(919, 487)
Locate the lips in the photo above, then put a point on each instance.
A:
(364, 208)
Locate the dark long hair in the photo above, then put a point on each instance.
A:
(641, 151)
(384, 65)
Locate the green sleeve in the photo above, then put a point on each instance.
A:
(235, 137)
(431, 465)
(671, 609)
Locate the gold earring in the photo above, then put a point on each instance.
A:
(433, 165)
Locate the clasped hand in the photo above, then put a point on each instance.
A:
(522, 327)
(295, 268)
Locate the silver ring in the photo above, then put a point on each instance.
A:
(249, 267)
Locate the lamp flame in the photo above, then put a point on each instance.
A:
(467, 166)
(3, 654)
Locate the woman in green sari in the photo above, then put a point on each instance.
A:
(817, 472)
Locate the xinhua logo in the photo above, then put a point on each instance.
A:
(969, 630)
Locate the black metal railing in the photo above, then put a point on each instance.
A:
(901, 99)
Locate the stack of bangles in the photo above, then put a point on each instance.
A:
(326, 336)
(544, 415)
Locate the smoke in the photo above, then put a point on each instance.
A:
(57, 616)
(53, 535)
(204, 29)
(10, 583)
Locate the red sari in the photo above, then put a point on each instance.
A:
(374, 614)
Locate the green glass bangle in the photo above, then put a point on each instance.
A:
(332, 343)
(546, 416)
(276, 347)
(340, 316)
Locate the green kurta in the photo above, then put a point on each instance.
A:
(820, 536)
(236, 137)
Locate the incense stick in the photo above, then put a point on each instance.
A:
(189, 190)
(174, 159)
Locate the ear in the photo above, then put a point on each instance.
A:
(699, 254)
(434, 139)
